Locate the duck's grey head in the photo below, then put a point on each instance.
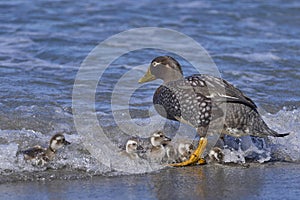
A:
(58, 141)
(163, 67)
(158, 138)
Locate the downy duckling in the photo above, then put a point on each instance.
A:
(132, 149)
(185, 150)
(171, 152)
(157, 151)
(43, 155)
(216, 155)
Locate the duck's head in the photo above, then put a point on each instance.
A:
(132, 146)
(57, 142)
(216, 154)
(158, 138)
(163, 67)
(185, 149)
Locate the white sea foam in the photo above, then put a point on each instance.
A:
(255, 57)
(77, 158)
(274, 148)
(287, 148)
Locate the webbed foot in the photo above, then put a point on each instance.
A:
(195, 157)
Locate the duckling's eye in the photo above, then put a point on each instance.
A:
(134, 144)
(155, 64)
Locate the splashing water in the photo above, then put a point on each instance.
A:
(276, 149)
(77, 159)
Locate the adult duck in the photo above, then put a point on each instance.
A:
(199, 99)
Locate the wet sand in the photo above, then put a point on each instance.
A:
(259, 181)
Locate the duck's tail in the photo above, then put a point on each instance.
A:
(264, 130)
(275, 134)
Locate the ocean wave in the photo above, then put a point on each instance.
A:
(254, 57)
(272, 148)
(81, 162)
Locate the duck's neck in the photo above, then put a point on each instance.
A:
(50, 153)
(172, 76)
(130, 151)
(51, 149)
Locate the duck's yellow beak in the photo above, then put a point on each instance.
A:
(147, 77)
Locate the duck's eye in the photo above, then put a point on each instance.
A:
(155, 64)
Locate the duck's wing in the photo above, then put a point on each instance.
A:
(197, 99)
(33, 152)
(219, 90)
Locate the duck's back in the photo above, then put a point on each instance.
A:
(34, 152)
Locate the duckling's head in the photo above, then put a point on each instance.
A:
(216, 154)
(158, 138)
(132, 146)
(58, 141)
(185, 149)
(163, 67)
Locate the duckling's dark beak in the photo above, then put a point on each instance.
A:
(167, 139)
(66, 142)
(147, 77)
(139, 148)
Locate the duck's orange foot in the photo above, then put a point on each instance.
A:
(195, 157)
(201, 161)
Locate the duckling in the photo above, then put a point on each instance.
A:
(157, 151)
(171, 152)
(185, 150)
(132, 149)
(40, 156)
(216, 155)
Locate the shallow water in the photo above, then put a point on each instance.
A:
(263, 181)
(255, 46)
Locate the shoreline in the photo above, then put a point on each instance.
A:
(258, 181)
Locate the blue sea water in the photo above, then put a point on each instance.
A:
(254, 44)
